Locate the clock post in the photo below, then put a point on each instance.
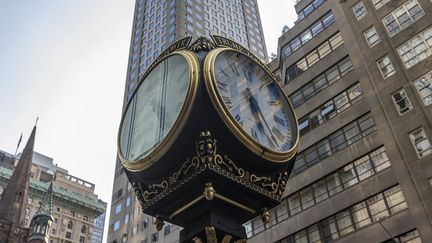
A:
(208, 140)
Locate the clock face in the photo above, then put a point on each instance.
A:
(254, 101)
(155, 108)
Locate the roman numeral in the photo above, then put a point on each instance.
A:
(227, 101)
(234, 70)
(254, 133)
(222, 86)
(227, 76)
(248, 75)
(237, 117)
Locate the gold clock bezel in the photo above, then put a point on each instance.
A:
(229, 120)
(167, 142)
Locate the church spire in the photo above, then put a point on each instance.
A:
(14, 197)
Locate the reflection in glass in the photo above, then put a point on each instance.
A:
(154, 108)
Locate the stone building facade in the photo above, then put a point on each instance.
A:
(359, 74)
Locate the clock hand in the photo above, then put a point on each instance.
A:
(255, 108)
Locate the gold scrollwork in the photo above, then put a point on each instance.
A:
(207, 157)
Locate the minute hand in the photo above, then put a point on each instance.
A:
(254, 104)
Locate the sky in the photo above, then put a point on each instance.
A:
(65, 62)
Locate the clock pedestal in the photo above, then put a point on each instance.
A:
(212, 228)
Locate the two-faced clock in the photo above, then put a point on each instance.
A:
(251, 104)
(158, 110)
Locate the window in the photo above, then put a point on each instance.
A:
(118, 208)
(144, 224)
(309, 9)
(70, 225)
(402, 102)
(359, 10)
(421, 142)
(424, 88)
(395, 199)
(68, 235)
(308, 34)
(379, 3)
(83, 229)
(403, 17)
(126, 219)
(416, 49)
(353, 219)
(128, 201)
(409, 237)
(313, 57)
(331, 108)
(321, 82)
(360, 215)
(386, 67)
(116, 225)
(167, 229)
(328, 146)
(371, 36)
(82, 239)
(154, 237)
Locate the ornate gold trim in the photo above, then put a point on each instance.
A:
(166, 143)
(208, 187)
(207, 157)
(188, 205)
(211, 237)
(224, 113)
(211, 234)
(202, 44)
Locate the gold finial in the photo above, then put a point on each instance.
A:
(265, 216)
(209, 191)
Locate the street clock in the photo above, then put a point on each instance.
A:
(208, 139)
(251, 104)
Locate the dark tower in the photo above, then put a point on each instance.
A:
(41, 221)
(14, 197)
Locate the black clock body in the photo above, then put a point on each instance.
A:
(209, 169)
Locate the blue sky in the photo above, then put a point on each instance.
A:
(65, 62)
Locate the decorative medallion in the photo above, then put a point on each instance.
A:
(202, 44)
